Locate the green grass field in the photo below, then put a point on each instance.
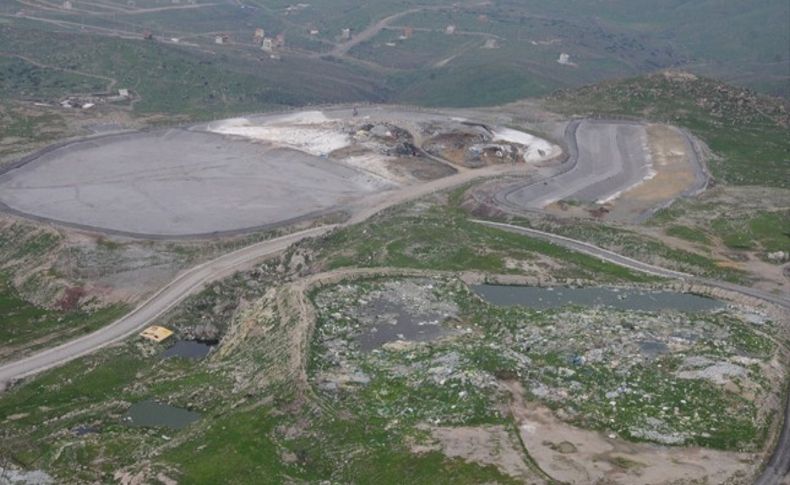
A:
(179, 81)
(768, 231)
(22, 80)
(688, 233)
(25, 325)
(739, 225)
(441, 237)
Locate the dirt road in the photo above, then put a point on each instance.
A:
(372, 30)
(187, 283)
(777, 471)
(633, 264)
(195, 279)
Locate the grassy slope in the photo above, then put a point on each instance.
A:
(180, 81)
(748, 132)
(28, 326)
(735, 226)
(20, 79)
(720, 38)
(22, 323)
(24, 127)
(626, 38)
(646, 249)
(442, 237)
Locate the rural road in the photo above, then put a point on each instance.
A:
(193, 280)
(633, 264)
(777, 471)
(589, 249)
(370, 32)
(187, 283)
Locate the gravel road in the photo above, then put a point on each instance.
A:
(185, 284)
(193, 280)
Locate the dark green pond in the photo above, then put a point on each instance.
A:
(152, 413)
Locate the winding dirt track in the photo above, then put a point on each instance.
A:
(187, 283)
(633, 264)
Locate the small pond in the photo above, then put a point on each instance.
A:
(396, 321)
(152, 413)
(623, 299)
(189, 349)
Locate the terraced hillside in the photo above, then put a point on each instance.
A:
(747, 132)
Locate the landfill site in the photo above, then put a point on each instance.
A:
(243, 174)
(328, 271)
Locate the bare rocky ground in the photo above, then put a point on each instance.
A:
(597, 395)
(45, 262)
(75, 274)
(574, 455)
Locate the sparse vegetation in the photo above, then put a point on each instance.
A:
(248, 396)
(23, 80)
(768, 231)
(644, 248)
(737, 223)
(440, 236)
(24, 324)
(368, 376)
(658, 395)
(687, 233)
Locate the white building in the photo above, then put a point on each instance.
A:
(491, 44)
(267, 44)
